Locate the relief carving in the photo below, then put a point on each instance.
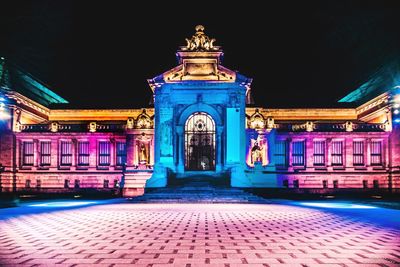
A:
(200, 41)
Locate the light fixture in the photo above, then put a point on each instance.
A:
(3, 112)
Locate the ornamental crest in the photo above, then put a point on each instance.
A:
(200, 41)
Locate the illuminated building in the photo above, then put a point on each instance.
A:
(202, 123)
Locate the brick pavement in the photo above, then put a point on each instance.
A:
(189, 235)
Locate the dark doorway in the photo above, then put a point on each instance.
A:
(200, 142)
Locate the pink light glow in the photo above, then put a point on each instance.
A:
(196, 234)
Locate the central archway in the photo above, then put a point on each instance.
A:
(200, 142)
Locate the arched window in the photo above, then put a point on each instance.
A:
(200, 142)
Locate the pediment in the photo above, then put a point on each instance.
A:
(199, 70)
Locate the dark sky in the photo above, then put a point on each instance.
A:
(299, 53)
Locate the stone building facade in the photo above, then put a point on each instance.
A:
(203, 123)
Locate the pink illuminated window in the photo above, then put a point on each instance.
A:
(45, 153)
(27, 153)
(376, 153)
(66, 153)
(83, 153)
(121, 153)
(104, 153)
(280, 153)
(358, 153)
(319, 153)
(337, 153)
(298, 153)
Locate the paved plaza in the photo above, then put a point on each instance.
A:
(197, 234)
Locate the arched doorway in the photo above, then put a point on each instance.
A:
(200, 142)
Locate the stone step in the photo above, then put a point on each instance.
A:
(200, 189)
(198, 195)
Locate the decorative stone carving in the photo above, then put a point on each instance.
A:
(144, 121)
(387, 126)
(17, 124)
(256, 121)
(92, 127)
(142, 153)
(130, 123)
(309, 126)
(258, 152)
(270, 123)
(200, 41)
(54, 127)
(349, 126)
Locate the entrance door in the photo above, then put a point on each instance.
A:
(200, 142)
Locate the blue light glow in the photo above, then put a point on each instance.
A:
(63, 204)
(336, 205)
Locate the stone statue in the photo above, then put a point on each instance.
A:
(129, 123)
(92, 127)
(270, 123)
(54, 127)
(256, 153)
(349, 126)
(142, 154)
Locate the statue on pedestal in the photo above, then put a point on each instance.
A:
(256, 153)
(142, 154)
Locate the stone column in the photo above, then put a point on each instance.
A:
(151, 150)
(73, 150)
(219, 149)
(112, 152)
(36, 151)
(181, 148)
(130, 150)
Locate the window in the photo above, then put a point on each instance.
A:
(104, 153)
(105, 183)
(296, 183)
(325, 184)
(121, 153)
(83, 153)
(66, 153)
(27, 183)
(27, 153)
(337, 153)
(335, 184)
(358, 153)
(319, 153)
(281, 153)
(45, 153)
(376, 153)
(298, 153)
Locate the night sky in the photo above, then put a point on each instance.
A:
(299, 53)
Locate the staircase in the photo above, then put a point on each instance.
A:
(198, 190)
